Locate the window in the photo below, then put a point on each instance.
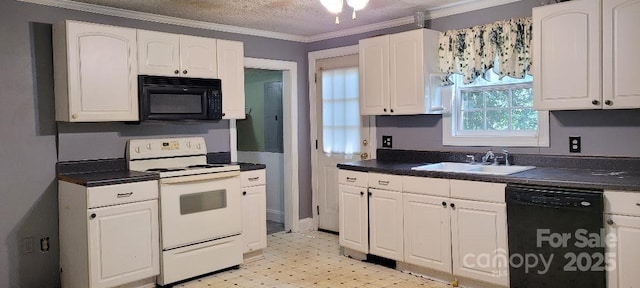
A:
(340, 111)
(494, 112)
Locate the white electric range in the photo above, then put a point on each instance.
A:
(200, 206)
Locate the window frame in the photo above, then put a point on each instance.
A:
(498, 138)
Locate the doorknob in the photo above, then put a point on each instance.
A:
(364, 156)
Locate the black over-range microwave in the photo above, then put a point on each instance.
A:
(178, 98)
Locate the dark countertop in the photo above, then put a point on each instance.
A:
(548, 176)
(103, 178)
(250, 166)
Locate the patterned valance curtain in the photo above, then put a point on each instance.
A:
(471, 52)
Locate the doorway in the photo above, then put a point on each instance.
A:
(341, 133)
(260, 137)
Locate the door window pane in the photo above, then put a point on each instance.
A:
(340, 111)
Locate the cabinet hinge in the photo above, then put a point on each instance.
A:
(318, 209)
(316, 144)
(315, 77)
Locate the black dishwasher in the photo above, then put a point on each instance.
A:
(556, 237)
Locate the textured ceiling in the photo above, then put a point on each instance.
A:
(296, 17)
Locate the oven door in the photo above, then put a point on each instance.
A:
(200, 208)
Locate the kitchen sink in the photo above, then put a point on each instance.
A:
(473, 168)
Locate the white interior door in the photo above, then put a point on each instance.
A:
(343, 135)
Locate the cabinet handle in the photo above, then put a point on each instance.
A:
(244, 193)
(124, 195)
(361, 193)
(385, 109)
(223, 114)
(351, 179)
(370, 194)
(637, 204)
(453, 206)
(444, 204)
(184, 72)
(254, 178)
(176, 72)
(391, 110)
(595, 102)
(74, 116)
(93, 216)
(385, 183)
(608, 102)
(609, 221)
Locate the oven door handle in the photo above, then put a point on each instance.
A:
(199, 177)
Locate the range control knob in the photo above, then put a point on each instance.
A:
(148, 146)
(137, 149)
(198, 146)
(188, 144)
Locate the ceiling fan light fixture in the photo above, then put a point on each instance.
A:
(357, 4)
(334, 6)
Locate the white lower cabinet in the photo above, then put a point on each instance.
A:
(254, 210)
(109, 235)
(622, 217)
(427, 231)
(353, 211)
(479, 238)
(385, 224)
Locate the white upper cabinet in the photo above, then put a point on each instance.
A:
(576, 66)
(620, 61)
(395, 73)
(166, 54)
(95, 72)
(231, 73)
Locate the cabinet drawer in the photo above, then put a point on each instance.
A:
(385, 181)
(352, 178)
(619, 202)
(121, 193)
(253, 178)
(426, 186)
(481, 191)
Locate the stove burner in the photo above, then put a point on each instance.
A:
(164, 169)
(206, 166)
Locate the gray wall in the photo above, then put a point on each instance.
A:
(31, 140)
(604, 133)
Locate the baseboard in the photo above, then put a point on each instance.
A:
(144, 283)
(275, 215)
(305, 225)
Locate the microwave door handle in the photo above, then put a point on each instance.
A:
(199, 178)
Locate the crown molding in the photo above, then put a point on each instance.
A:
(362, 29)
(467, 6)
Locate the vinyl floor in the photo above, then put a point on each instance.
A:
(309, 259)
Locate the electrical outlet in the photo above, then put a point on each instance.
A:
(575, 144)
(27, 245)
(44, 244)
(387, 142)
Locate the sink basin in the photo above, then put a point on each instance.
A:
(498, 170)
(473, 168)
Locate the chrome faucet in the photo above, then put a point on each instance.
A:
(488, 157)
(471, 159)
(506, 157)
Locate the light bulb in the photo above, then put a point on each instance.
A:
(357, 4)
(334, 6)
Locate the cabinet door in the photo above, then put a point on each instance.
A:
(374, 76)
(158, 53)
(231, 72)
(385, 229)
(123, 243)
(254, 218)
(406, 75)
(566, 55)
(198, 57)
(102, 71)
(427, 231)
(620, 61)
(625, 253)
(478, 233)
(353, 218)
